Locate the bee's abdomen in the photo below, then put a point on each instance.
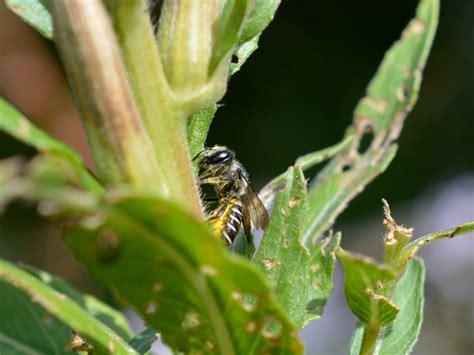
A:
(226, 219)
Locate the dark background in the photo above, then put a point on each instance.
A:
(295, 95)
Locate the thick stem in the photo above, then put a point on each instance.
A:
(164, 118)
(121, 148)
(137, 133)
(369, 341)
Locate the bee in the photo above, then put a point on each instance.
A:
(237, 202)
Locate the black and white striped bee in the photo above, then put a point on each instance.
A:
(237, 202)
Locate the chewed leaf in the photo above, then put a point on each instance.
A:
(400, 336)
(268, 193)
(390, 96)
(365, 287)
(45, 317)
(409, 251)
(165, 264)
(35, 13)
(301, 277)
(180, 279)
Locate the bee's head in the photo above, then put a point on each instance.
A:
(216, 156)
(215, 159)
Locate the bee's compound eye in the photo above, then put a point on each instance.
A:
(219, 157)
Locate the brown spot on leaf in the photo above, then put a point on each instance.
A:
(294, 201)
(270, 263)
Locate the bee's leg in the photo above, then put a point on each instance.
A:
(210, 180)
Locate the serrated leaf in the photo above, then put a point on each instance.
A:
(301, 276)
(365, 287)
(39, 319)
(400, 336)
(17, 125)
(99, 310)
(35, 13)
(390, 97)
(180, 279)
(143, 341)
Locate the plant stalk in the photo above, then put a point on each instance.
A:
(163, 117)
(122, 94)
(369, 341)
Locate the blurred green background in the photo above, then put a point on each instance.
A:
(295, 95)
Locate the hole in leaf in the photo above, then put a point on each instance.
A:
(272, 329)
(345, 168)
(234, 59)
(151, 307)
(248, 302)
(366, 140)
(191, 320)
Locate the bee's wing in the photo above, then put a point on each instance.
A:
(253, 207)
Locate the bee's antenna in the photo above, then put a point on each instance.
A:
(198, 154)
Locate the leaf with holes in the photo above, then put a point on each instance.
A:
(17, 125)
(35, 13)
(268, 193)
(35, 318)
(301, 276)
(409, 251)
(401, 335)
(166, 265)
(180, 279)
(366, 285)
(390, 97)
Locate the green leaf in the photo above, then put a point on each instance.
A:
(35, 318)
(229, 26)
(166, 265)
(262, 14)
(409, 251)
(17, 125)
(267, 194)
(301, 277)
(96, 308)
(181, 280)
(365, 288)
(198, 126)
(35, 13)
(400, 336)
(390, 96)
(143, 341)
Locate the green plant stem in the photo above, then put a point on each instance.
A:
(164, 119)
(369, 341)
(120, 146)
